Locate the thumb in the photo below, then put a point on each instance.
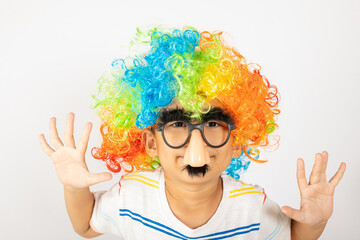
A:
(292, 213)
(95, 178)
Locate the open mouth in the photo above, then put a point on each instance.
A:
(197, 171)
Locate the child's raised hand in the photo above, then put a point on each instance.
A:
(68, 159)
(317, 196)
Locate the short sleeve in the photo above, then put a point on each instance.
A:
(273, 223)
(105, 213)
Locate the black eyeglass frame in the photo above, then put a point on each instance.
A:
(191, 127)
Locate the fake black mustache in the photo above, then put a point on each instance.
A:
(197, 171)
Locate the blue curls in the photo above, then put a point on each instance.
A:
(239, 165)
(152, 76)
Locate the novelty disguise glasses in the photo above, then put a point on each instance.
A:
(176, 127)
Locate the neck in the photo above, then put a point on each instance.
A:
(193, 196)
(194, 204)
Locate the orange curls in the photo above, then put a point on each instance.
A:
(193, 68)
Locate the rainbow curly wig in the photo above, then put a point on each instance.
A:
(190, 66)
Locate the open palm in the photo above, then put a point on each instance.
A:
(317, 196)
(69, 160)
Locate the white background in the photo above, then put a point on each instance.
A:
(53, 52)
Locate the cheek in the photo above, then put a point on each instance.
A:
(225, 154)
(165, 154)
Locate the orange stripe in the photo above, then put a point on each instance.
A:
(265, 195)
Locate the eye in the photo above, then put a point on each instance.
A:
(212, 124)
(177, 124)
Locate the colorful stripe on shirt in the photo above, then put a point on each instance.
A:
(243, 191)
(142, 179)
(171, 232)
(276, 230)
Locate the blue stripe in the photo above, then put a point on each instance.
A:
(210, 235)
(107, 218)
(149, 220)
(238, 233)
(148, 225)
(276, 230)
(181, 236)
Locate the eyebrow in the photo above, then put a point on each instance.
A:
(217, 114)
(176, 114)
(179, 114)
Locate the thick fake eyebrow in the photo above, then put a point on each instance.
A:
(176, 114)
(217, 114)
(179, 114)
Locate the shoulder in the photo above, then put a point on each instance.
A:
(142, 179)
(140, 185)
(134, 182)
(237, 189)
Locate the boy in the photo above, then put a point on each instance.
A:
(193, 106)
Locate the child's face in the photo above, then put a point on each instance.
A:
(196, 161)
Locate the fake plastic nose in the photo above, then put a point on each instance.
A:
(196, 154)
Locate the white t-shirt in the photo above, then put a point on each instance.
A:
(138, 209)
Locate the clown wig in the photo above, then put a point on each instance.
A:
(194, 68)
